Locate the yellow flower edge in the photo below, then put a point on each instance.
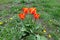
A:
(11, 18)
(49, 36)
(44, 31)
(1, 23)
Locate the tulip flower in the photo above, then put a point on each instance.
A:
(32, 10)
(25, 10)
(36, 16)
(21, 16)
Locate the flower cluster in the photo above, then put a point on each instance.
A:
(31, 10)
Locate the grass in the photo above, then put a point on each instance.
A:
(10, 24)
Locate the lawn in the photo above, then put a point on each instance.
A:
(47, 27)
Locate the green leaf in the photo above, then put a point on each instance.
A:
(41, 37)
(31, 37)
(38, 37)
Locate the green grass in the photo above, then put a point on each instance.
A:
(13, 29)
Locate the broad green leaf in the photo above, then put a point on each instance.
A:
(31, 37)
(41, 37)
(38, 37)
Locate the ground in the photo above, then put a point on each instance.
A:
(49, 11)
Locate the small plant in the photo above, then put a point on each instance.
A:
(29, 18)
